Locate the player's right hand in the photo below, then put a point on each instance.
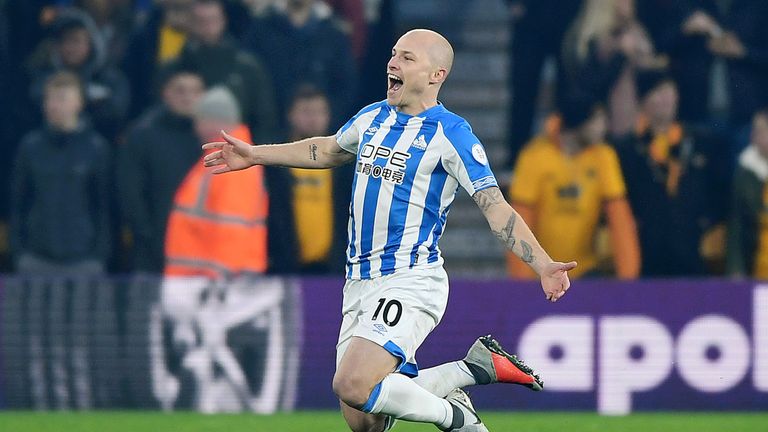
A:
(232, 154)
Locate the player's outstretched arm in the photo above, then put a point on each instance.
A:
(234, 154)
(512, 230)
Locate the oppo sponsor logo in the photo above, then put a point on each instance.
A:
(396, 158)
(620, 355)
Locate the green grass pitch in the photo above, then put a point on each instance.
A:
(331, 421)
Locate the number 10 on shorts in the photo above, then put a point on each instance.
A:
(390, 317)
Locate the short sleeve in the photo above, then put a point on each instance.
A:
(466, 160)
(525, 185)
(349, 135)
(612, 179)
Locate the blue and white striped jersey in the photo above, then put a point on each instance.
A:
(407, 173)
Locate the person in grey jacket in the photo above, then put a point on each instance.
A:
(60, 189)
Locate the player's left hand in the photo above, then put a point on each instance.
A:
(554, 279)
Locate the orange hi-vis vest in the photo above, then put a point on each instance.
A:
(218, 223)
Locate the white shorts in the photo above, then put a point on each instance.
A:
(396, 311)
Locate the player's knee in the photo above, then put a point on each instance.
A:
(352, 390)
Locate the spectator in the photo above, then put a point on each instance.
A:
(320, 197)
(158, 41)
(381, 37)
(159, 151)
(747, 250)
(676, 182)
(352, 12)
(304, 43)
(78, 48)
(114, 20)
(563, 183)
(601, 52)
(218, 225)
(214, 55)
(680, 29)
(212, 290)
(742, 43)
(59, 196)
(539, 26)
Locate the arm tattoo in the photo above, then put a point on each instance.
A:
(527, 255)
(505, 234)
(313, 152)
(487, 198)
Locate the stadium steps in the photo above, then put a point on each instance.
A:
(476, 90)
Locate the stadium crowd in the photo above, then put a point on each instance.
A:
(652, 160)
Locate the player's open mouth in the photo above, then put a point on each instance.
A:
(395, 83)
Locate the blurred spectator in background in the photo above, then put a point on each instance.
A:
(114, 21)
(676, 183)
(320, 197)
(212, 290)
(22, 24)
(563, 182)
(681, 30)
(719, 53)
(159, 151)
(603, 48)
(77, 47)
(748, 225)
(539, 26)
(352, 12)
(212, 230)
(741, 41)
(305, 43)
(378, 46)
(155, 43)
(59, 196)
(216, 57)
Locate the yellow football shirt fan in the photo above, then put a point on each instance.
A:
(313, 213)
(567, 194)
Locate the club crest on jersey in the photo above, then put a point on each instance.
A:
(372, 131)
(479, 154)
(419, 143)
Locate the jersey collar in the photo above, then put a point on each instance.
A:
(429, 112)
